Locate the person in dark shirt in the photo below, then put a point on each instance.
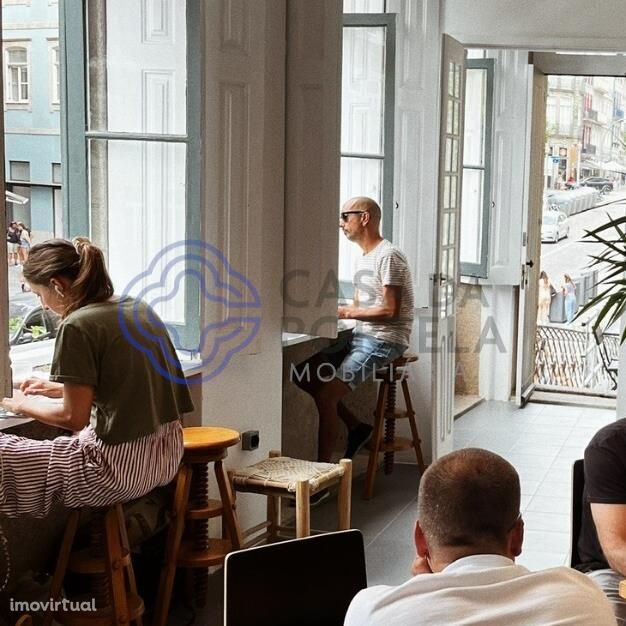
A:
(602, 539)
(119, 385)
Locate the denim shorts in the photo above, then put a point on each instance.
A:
(359, 358)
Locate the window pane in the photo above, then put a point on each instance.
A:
(141, 186)
(363, 90)
(17, 55)
(359, 177)
(56, 173)
(472, 216)
(363, 6)
(475, 109)
(19, 170)
(137, 67)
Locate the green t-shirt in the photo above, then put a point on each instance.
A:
(139, 383)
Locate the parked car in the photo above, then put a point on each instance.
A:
(554, 226)
(29, 323)
(603, 184)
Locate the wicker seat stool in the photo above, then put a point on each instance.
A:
(283, 477)
(384, 439)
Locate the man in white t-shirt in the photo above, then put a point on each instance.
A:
(468, 533)
(383, 308)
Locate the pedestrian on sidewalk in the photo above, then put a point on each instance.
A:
(569, 292)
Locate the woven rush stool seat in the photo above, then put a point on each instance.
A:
(284, 477)
(188, 542)
(384, 439)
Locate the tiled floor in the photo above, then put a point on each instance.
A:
(541, 441)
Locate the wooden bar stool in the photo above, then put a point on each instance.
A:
(196, 551)
(384, 438)
(106, 561)
(283, 477)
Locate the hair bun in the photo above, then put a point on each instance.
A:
(80, 243)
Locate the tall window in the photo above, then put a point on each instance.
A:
(565, 115)
(476, 203)
(367, 122)
(131, 123)
(55, 74)
(17, 75)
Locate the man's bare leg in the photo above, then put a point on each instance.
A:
(327, 399)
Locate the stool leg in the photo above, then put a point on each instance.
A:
(199, 530)
(228, 510)
(344, 497)
(390, 424)
(375, 441)
(115, 568)
(62, 561)
(273, 517)
(174, 536)
(132, 583)
(417, 444)
(303, 509)
(274, 513)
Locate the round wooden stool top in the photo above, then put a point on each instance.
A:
(405, 359)
(199, 438)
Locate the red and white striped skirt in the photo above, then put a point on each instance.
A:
(82, 470)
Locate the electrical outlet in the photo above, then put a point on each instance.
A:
(250, 440)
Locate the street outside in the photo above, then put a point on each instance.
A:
(571, 255)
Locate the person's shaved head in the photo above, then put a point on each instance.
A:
(363, 203)
(469, 498)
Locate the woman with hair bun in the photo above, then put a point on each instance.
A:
(121, 392)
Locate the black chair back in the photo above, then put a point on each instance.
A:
(301, 582)
(578, 485)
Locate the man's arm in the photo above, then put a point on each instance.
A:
(389, 308)
(610, 522)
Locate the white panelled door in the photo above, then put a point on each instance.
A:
(447, 256)
(531, 242)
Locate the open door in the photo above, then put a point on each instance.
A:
(445, 279)
(531, 238)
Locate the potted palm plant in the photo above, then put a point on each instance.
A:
(611, 261)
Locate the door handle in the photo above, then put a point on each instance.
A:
(530, 263)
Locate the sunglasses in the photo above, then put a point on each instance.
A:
(344, 214)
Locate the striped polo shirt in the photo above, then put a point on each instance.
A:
(385, 265)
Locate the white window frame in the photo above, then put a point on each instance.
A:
(75, 138)
(7, 47)
(481, 269)
(54, 74)
(387, 21)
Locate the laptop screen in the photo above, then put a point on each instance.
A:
(301, 582)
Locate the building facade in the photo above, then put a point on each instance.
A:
(32, 113)
(584, 129)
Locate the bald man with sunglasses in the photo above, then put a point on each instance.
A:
(383, 309)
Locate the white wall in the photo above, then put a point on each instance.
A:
(243, 200)
(537, 24)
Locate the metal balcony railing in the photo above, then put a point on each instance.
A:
(570, 358)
